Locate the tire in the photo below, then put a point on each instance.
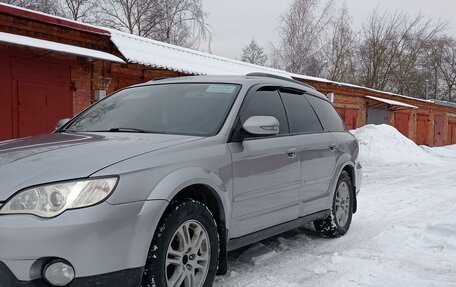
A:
(172, 258)
(339, 220)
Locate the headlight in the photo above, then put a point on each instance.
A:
(53, 199)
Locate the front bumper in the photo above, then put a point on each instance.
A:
(104, 239)
(124, 278)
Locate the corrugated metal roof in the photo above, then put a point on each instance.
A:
(392, 102)
(171, 57)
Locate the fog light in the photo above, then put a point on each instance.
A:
(58, 273)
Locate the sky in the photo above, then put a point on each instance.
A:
(235, 22)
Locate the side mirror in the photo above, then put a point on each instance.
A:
(61, 123)
(261, 125)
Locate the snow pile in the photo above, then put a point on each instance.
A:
(257, 254)
(445, 151)
(385, 145)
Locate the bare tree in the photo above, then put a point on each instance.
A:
(441, 61)
(45, 6)
(80, 10)
(131, 16)
(302, 29)
(389, 54)
(448, 69)
(340, 48)
(180, 22)
(13, 2)
(376, 49)
(183, 22)
(254, 54)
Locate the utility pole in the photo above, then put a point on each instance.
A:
(426, 89)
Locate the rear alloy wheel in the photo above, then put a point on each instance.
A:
(184, 251)
(339, 220)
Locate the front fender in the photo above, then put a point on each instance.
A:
(176, 181)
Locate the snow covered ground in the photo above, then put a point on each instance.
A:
(404, 233)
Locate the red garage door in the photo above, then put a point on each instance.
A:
(452, 133)
(6, 117)
(349, 116)
(422, 130)
(401, 123)
(34, 95)
(439, 122)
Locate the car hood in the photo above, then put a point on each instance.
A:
(61, 156)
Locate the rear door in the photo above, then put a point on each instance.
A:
(266, 171)
(335, 145)
(317, 158)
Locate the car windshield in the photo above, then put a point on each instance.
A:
(189, 109)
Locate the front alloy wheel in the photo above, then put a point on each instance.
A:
(185, 248)
(189, 252)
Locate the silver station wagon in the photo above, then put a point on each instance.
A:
(155, 184)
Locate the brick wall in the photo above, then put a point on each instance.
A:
(117, 76)
(81, 87)
(101, 75)
(56, 33)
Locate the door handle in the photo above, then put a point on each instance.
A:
(332, 147)
(291, 153)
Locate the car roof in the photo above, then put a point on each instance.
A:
(247, 80)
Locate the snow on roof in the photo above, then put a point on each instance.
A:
(58, 47)
(322, 80)
(392, 102)
(171, 57)
(444, 103)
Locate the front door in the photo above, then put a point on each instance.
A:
(266, 171)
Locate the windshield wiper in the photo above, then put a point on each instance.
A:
(127, 130)
(121, 130)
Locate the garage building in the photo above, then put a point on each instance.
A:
(52, 68)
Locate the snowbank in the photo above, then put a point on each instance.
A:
(444, 151)
(385, 145)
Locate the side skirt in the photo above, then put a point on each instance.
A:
(236, 243)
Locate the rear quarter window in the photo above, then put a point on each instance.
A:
(328, 116)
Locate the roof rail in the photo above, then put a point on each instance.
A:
(266, 75)
(157, 79)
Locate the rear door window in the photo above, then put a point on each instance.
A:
(301, 116)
